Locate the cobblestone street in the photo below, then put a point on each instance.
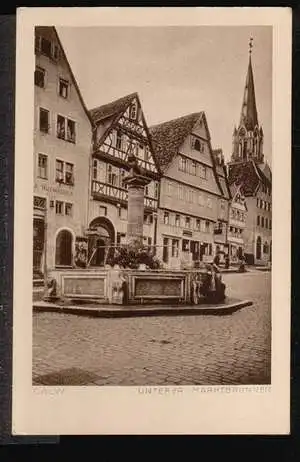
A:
(180, 350)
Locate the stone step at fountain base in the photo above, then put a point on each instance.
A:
(229, 306)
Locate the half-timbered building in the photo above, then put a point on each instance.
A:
(192, 201)
(120, 129)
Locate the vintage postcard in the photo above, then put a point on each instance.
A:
(152, 221)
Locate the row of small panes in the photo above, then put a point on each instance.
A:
(203, 225)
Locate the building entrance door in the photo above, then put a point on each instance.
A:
(38, 244)
(101, 241)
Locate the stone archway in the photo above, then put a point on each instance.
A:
(101, 236)
(63, 248)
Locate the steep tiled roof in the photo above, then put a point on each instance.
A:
(244, 174)
(112, 109)
(265, 169)
(168, 137)
(248, 174)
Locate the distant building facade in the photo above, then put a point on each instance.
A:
(236, 225)
(248, 171)
(221, 227)
(119, 129)
(192, 201)
(62, 146)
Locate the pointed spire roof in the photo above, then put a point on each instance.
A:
(249, 111)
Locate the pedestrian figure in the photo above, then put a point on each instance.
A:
(227, 261)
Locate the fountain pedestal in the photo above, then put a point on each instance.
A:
(136, 186)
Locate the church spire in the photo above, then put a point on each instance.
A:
(247, 142)
(249, 111)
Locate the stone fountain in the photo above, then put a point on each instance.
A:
(124, 283)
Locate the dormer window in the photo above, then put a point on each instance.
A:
(133, 111)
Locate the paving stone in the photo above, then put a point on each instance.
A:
(198, 350)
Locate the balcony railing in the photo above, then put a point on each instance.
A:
(100, 190)
(105, 189)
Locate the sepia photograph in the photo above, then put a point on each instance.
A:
(154, 211)
(152, 207)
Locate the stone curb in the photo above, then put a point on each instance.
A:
(116, 312)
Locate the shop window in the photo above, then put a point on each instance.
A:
(63, 254)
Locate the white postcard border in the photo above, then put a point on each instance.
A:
(129, 410)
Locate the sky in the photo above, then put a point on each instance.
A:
(176, 71)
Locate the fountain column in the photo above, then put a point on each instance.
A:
(136, 191)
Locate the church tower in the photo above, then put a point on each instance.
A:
(248, 137)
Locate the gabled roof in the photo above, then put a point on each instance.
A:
(111, 113)
(235, 190)
(248, 174)
(71, 72)
(167, 137)
(113, 108)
